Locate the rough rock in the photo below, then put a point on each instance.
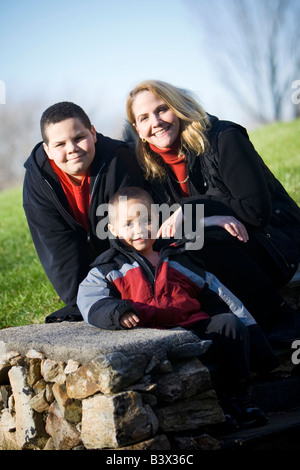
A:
(28, 424)
(200, 410)
(107, 374)
(64, 434)
(187, 378)
(80, 342)
(84, 388)
(116, 421)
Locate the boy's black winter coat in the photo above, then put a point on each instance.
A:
(64, 247)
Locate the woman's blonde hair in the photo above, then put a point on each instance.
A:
(193, 119)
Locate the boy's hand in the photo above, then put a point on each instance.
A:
(129, 320)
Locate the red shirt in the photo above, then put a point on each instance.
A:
(176, 163)
(78, 196)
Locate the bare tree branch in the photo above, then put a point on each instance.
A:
(254, 48)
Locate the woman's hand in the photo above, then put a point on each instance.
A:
(169, 227)
(229, 223)
(129, 320)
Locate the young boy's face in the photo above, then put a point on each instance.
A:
(71, 145)
(134, 225)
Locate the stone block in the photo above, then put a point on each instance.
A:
(28, 424)
(53, 371)
(70, 409)
(64, 435)
(107, 374)
(71, 366)
(187, 378)
(34, 354)
(188, 350)
(4, 369)
(95, 389)
(33, 371)
(39, 403)
(78, 341)
(8, 439)
(111, 421)
(198, 411)
(5, 392)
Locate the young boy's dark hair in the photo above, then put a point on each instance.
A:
(60, 112)
(131, 192)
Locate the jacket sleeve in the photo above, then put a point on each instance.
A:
(241, 170)
(59, 247)
(99, 302)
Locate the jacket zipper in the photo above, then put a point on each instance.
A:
(145, 266)
(68, 215)
(151, 275)
(92, 195)
(96, 181)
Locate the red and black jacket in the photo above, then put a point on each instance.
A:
(179, 292)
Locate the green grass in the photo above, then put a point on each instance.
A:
(27, 296)
(279, 146)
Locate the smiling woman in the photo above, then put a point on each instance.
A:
(190, 157)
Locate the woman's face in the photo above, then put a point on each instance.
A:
(154, 121)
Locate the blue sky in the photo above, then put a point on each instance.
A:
(94, 52)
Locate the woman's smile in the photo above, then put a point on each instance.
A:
(155, 121)
(161, 132)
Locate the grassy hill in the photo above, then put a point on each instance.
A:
(279, 146)
(27, 296)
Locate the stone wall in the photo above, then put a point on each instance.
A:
(70, 386)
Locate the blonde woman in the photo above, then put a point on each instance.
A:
(189, 156)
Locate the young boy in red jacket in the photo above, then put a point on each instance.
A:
(133, 285)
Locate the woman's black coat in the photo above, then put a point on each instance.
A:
(231, 178)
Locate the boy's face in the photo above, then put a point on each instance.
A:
(133, 224)
(71, 145)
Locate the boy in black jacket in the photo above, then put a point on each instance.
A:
(68, 177)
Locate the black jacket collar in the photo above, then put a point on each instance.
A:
(164, 246)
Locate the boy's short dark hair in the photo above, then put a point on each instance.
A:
(60, 112)
(131, 192)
